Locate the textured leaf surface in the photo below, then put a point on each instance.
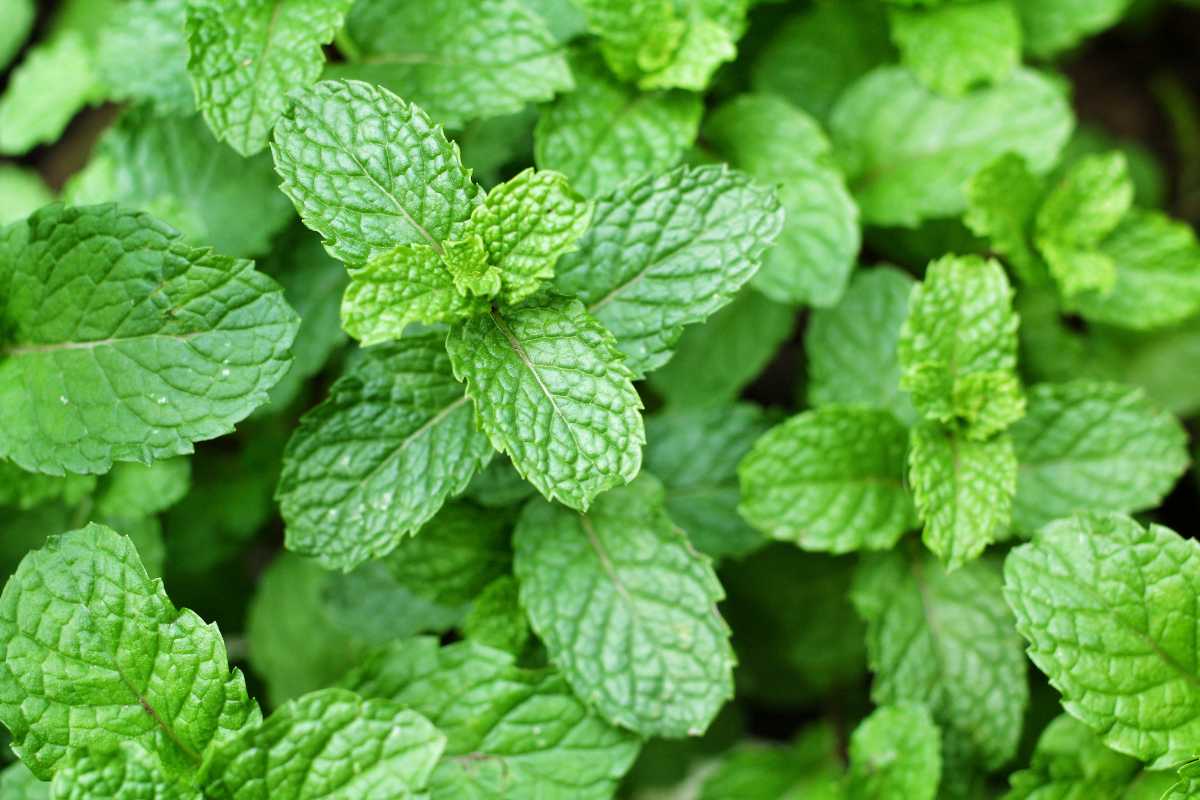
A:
(458, 59)
(852, 347)
(627, 610)
(377, 459)
(604, 133)
(1088, 446)
(1109, 610)
(895, 752)
(550, 389)
(956, 47)
(511, 732)
(667, 252)
(368, 171)
(328, 745)
(122, 343)
(245, 56)
(958, 346)
(124, 773)
(830, 480)
(910, 151)
(947, 641)
(95, 654)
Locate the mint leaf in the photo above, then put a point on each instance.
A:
(1108, 608)
(511, 732)
(852, 347)
(377, 459)
(956, 47)
(20, 15)
(1051, 26)
(830, 480)
(895, 752)
(1002, 202)
(49, 87)
(97, 655)
(963, 490)
(945, 640)
(142, 55)
(245, 57)
(801, 770)
(138, 490)
(958, 346)
(604, 133)
(1089, 446)
(458, 59)
(1070, 760)
(778, 144)
(627, 610)
(122, 343)
(497, 619)
(399, 180)
(127, 772)
(646, 291)
(910, 151)
(550, 364)
(21, 193)
(330, 745)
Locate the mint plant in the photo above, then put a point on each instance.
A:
(581, 399)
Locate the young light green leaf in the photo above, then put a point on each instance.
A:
(779, 144)
(604, 133)
(963, 490)
(909, 152)
(122, 343)
(126, 772)
(1109, 610)
(22, 192)
(139, 490)
(695, 454)
(46, 90)
(955, 47)
(1090, 446)
(894, 753)
(328, 745)
(458, 59)
(398, 179)
(550, 390)
(20, 15)
(713, 362)
(497, 619)
(1051, 26)
(627, 610)
(830, 480)
(376, 460)
(1002, 202)
(142, 56)
(246, 56)
(852, 347)
(174, 168)
(714, 223)
(97, 655)
(958, 346)
(946, 641)
(511, 732)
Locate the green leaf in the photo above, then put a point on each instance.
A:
(172, 167)
(820, 51)
(1071, 762)
(45, 91)
(805, 769)
(695, 454)
(1051, 26)
(467, 261)
(400, 180)
(377, 459)
(909, 151)
(511, 732)
(142, 56)
(604, 133)
(646, 290)
(550, 390)
(97, 655)
(496, 618)
(246, 56)
(328, 745)
(1002, 202)
(895, 752)
(713, 362)
(1090, 446)
(830, 480)
(19, 15)
(956, 47)
(126, 772)
(946, 641)
(958, 346)
(1109, 610)
(22, 192)
(25, 490)
(852, 347)
(779, 144)
(369, 605)
(138, 490)
(963, 490)
(1158, 274)
(459, 552)
(627, 610)
(122, 343)
(458, 59)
